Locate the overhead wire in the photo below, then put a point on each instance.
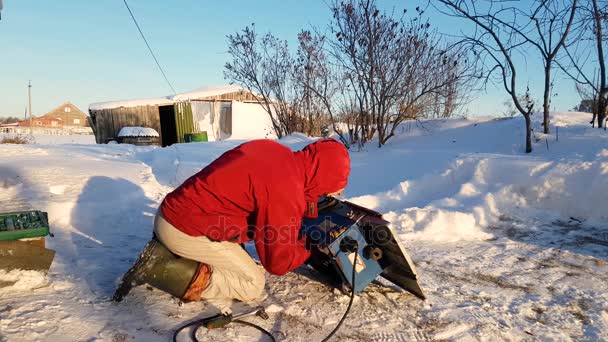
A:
(149, 48)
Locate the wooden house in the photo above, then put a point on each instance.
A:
(64, 116)
(64, 119)
(208, 109)
(70, 115)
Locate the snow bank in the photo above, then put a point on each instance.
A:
(296, 138)
(476, 190)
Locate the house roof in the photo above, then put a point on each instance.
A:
(207, 91)
(68, 103)
(131, 103)
(199, 93)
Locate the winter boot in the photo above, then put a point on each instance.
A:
(158, 267)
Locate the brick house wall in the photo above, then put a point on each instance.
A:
(43, 121)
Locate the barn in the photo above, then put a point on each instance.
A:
(223, 112)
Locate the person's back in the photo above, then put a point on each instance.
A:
(257, 191)
(218, 202)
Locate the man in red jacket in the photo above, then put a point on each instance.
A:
(257, 191)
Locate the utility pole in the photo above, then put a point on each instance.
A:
(29, 97)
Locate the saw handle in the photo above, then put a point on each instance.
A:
(220, 320)
(217, 321)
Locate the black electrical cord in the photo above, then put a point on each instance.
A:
(200, 322)
(193, 323)
(350, 303)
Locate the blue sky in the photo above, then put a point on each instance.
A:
(90, 51)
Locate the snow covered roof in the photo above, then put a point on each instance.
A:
(207, 91)
(199, 93)
(131, 103)
(136, 131)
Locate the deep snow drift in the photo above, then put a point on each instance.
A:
(508, 246)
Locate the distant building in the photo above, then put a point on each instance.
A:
(9, 127)
(65, 119)
(43, 122)
(67, 115)
(70, 115)
(223, 112)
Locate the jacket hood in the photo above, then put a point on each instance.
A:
(326, 166)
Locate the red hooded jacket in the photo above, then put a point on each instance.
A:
(260, 190)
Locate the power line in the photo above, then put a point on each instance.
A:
(148, 45)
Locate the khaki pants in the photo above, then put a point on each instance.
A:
(234, 274)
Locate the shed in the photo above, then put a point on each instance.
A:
(209, 109)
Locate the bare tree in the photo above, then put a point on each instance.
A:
(544, 26)
(552, 21)
(310, 71)
(509, 111)
(264, 66)
(588, 102)
(453, 95)
(9, 119)
(587, 47)
(495, 40)
(457, 77)
(393, 66)
(599, 13)
(319, 82)
(374, 71)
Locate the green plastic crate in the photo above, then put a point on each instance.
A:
(23, 224)
(196, 137)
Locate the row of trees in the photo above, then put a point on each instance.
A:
(371, 70)
(586, 58)
(9, 119)
(365, 74)
(565, 35)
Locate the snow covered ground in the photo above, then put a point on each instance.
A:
(508, 246)
(53, 139)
